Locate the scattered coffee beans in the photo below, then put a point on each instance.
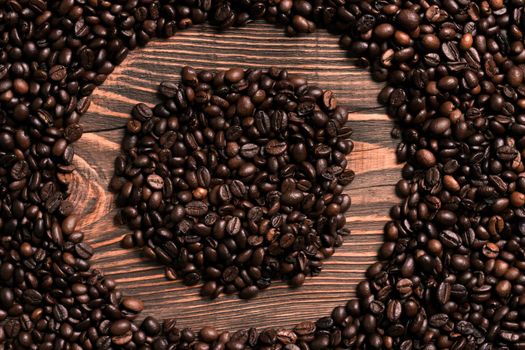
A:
(236, 178)
(450, 272)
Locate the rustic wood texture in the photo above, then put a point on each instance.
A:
(317, 57)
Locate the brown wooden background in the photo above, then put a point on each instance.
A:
(317, 57)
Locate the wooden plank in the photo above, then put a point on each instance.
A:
(316, 57)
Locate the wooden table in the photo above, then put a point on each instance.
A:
(317, 57)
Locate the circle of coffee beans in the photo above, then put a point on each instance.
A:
(236, 177)
(450, 272)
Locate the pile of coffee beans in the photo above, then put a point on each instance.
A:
(236, 177)
(450, 273)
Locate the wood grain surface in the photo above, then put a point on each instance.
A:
(317, 57)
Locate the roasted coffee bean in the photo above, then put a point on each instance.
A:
(155, 182)
(58, 72)
(275, 147)
(120, 327)
(248, 292)
(84, 250)
(208, 334)
(133, 304)
(142, 112)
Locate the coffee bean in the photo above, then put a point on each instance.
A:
(225, 193)
(20, 170)
(515, 76)
(58, 72)
(12, 328)
(208, 334)
(233, 226)
(133, 304)
(84, 250)
(120, 327)
(394, 310)
(408, 19)
(447, 83)
(384, 31)
(425, 158)
(517, 199)
(248, 292)
(196, 208)
(249, 150)
(245, 107)
(168, 89)
(73, 132)
(329, 101)
(234, 75)
(69, 224)
(155, 182)
(440, 125)
(60, 313)
(142, 112)
(404, 286)
(446, 217)
(275, 147)
(20, 86)
(292, 197)
(152, 327)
